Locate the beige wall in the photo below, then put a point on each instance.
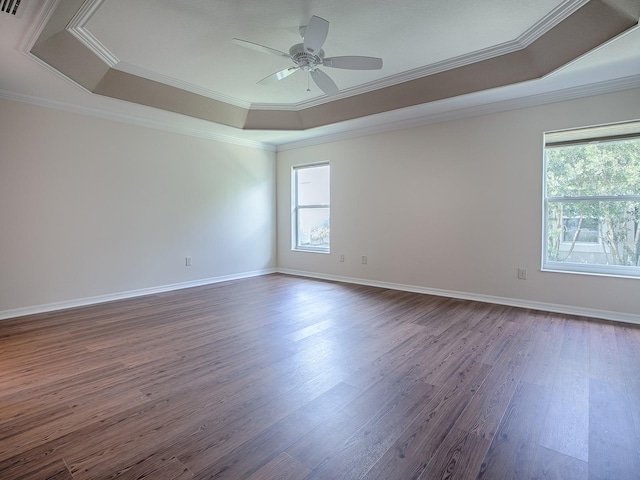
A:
(454, 206)
(91, 207)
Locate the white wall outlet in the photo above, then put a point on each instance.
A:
(522, 273)
(187, 261)
(342, 257)
(364, 259)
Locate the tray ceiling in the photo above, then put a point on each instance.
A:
(190, 42)
(177, 56)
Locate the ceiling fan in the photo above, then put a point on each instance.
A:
(308, 56)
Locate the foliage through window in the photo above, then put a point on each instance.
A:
(311, 207)
(580, 230)
(592, 200)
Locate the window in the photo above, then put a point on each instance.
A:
(311, 208)
(592, 200)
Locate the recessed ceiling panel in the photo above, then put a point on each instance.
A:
(190, 42)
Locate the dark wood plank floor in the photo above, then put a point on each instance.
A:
(278, 377)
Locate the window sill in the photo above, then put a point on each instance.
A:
(597, 270)
(310, 250)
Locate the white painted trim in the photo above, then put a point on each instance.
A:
(609, 86)
(84, 14)
(381, 126)
(85, 37)
(80, 302)
(140, 121)
(512, 302)
(553, 18)
(41, 20)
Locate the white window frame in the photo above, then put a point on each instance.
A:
(603, 133)
(295, 208)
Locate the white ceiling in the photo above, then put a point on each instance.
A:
(187, 44)
(191, 41)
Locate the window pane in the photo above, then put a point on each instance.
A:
(596, 233)
(313, 228)
(608, 168)
(313, 185)
(580, 229)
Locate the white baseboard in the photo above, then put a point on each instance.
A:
(512, 302)
(80, 302)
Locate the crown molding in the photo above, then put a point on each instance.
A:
(381, 125)
(550, 20)
(77, 28)
(572, 93)
(135, 120)
(40, 21)
(32, 35)
(93, 44)
(84, 13)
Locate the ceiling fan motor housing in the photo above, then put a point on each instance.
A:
(305, 60)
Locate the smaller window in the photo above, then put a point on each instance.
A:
(311, 208)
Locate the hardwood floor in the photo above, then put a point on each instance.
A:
(279, 377)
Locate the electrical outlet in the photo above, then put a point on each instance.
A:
(187, 261)
(364, 259)
(522, 273)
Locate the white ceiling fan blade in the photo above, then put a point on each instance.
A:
(260, 48)
(274, 77)
(354, 62)
(324, 82)
(315, 34)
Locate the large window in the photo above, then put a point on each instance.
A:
(311, 207)
(592, 200)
